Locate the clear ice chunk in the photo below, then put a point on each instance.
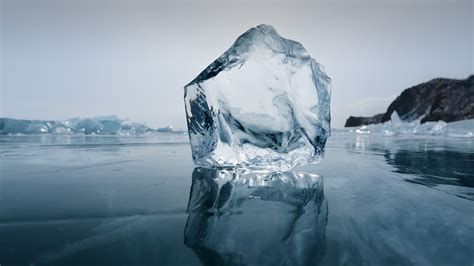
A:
(263, 104)
(251, 218)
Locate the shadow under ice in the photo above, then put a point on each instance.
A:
(255, 218)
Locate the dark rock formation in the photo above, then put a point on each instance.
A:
(354, 121)
(439, 99)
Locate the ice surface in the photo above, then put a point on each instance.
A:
(106, 125)
(254, 218)
(263, 103)
(464, 128)
(170, 129)
(390, 201)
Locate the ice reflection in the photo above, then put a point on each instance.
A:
(255, 218)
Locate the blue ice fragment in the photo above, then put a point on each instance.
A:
(263, 104)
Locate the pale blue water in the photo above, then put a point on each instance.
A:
(122, 201)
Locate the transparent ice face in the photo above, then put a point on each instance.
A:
(263, 104)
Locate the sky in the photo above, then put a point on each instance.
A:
(84, 58)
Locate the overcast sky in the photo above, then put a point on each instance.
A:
(63, 59)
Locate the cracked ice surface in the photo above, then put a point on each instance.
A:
(263, 104)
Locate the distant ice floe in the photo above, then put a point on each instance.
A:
(107, 125)
(463, 129)
(112, 125)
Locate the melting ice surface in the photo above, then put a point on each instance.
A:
(263, 103)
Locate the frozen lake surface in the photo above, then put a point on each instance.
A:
(105, 200)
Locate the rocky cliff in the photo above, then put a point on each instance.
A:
(438, 99)
(354, 121)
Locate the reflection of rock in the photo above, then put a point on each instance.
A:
(444, 164)
(435, 167)
(254, 218)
